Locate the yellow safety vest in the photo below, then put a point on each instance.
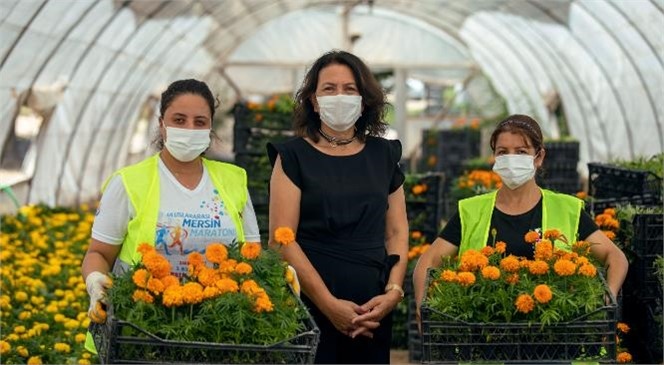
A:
(141, 182)
(559, 211)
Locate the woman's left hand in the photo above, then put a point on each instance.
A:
(377, 308)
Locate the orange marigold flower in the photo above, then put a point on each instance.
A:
(582, 260)
(208, 276)
(465, 278)
(211, 292)
(623, 327)
(448, 276)
(472, 260)
(196, 259)
(416, 235)
(250, 287)
(243, 268)
(263, 304)
(582, 247)
(491, 273)
(192, 293)
(501, 247)
(155, 285)
(564, 267)
(538, 267)
(227, 285)
(610, 212)
(510, 264)
(532, 237)
(140, 278)
(542, 293)
(512, 279)
(624, 357)
(170, 280)
(610, 235)
(487, 251)
(227, 266)
(142, 296)
(418, 189)
(173, 296)
(552, 234)
(524, 303)
(144, 248)
(284, 235)
(216, 253)
(581, 195)
(250, 250)
(157, 264)
(588, 270)
(543, 250)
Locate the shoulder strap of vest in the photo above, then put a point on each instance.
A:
(475, 215)
(563, 212)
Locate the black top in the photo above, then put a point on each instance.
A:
(343, 209)
(512, 229)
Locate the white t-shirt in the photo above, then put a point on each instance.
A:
(188, 220)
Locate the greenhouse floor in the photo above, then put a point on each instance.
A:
(399, 357)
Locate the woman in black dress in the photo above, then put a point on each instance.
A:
(339, 187)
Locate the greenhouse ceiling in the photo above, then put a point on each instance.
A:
(88, 69)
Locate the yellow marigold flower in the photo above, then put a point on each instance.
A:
(623, 327)
(588, 270)
(510, 264)
(263, 304)
(543, 250)
(227, 285)
(448, 276)
(62, 347)
(284, 235)
(491, 273)
(21, 296)
(250, 287)
(524, 303)
(532, 237)
(501, 247)
(227, 266)
(79, 338)
(140, 278)
(250, 250)
(216, 253)
(72, 324)
(22, 351)
(243, 268)
(172, 296)
(538, 267)
(157, 264)
(624, 357)
(83, 362)
(512, 279)
(24, 315)
(465, 278)
(542, 293)
(35, 360)
(192, 293)
(5, 347)
(564, 267)
(487, 251)
(19, 329)
(155, 285)
(144, 248)
(142, 296)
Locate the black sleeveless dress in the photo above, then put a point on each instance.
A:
(342, 231)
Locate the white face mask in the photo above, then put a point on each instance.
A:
(515, 170)
(186, 144)
(340, 112)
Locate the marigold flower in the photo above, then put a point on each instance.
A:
(196, 259)
(172, 296)
(144, 248)
(170, 280)
(155, 285)
(62, 347)
(250, 287)
(216, 253)
(243, 268)
(512, 279)
(227, 266)
(416, 235)
(284, 235)
(22, 351)
(157, 264)
(624, 357)
(263, 304)
(21, 296)
(501, 247)
(79, 338)
(623, 327)
(581, 195)
(538, 267)
(552, 234)
(448, 276)
(532, 237)
(140, 278)
(227, 285)
(588, 270)
(472, 260)
(543, 250)
(5, 347)
(211, 292)
(465, 278)
(487, 251)
(35, 360)
(564, 267)
(491, 273)
(542, 293)
(524, 303)
(250, 250)
(192, 293)
(510, 264)
(609, 234)
(208, 276)
(610, 212)
(142, 296)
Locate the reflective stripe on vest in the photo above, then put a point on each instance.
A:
(559, 211)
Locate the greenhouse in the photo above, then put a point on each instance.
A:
(82, 91)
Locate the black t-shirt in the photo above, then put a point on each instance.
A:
(512, 229)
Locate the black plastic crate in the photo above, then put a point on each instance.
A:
(597, 206)
(424, 216)
(648, 236)
(452, 341)
(646, 283)
(247, 118)
(121, 342)
(414, 339)
(254, 140)
(561, 151)
(561, 185)
(609, 181)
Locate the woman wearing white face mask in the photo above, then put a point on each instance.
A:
(176, 200)
(339, 187)
(518, 207)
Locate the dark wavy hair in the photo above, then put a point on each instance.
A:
(306, 122)
(181, 87)
(522, 125)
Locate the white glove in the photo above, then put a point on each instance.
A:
(293, 281)
(96, 283)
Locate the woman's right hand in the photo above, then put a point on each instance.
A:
(96, 284)
(341, 313)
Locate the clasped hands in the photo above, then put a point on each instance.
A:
(354, 320)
